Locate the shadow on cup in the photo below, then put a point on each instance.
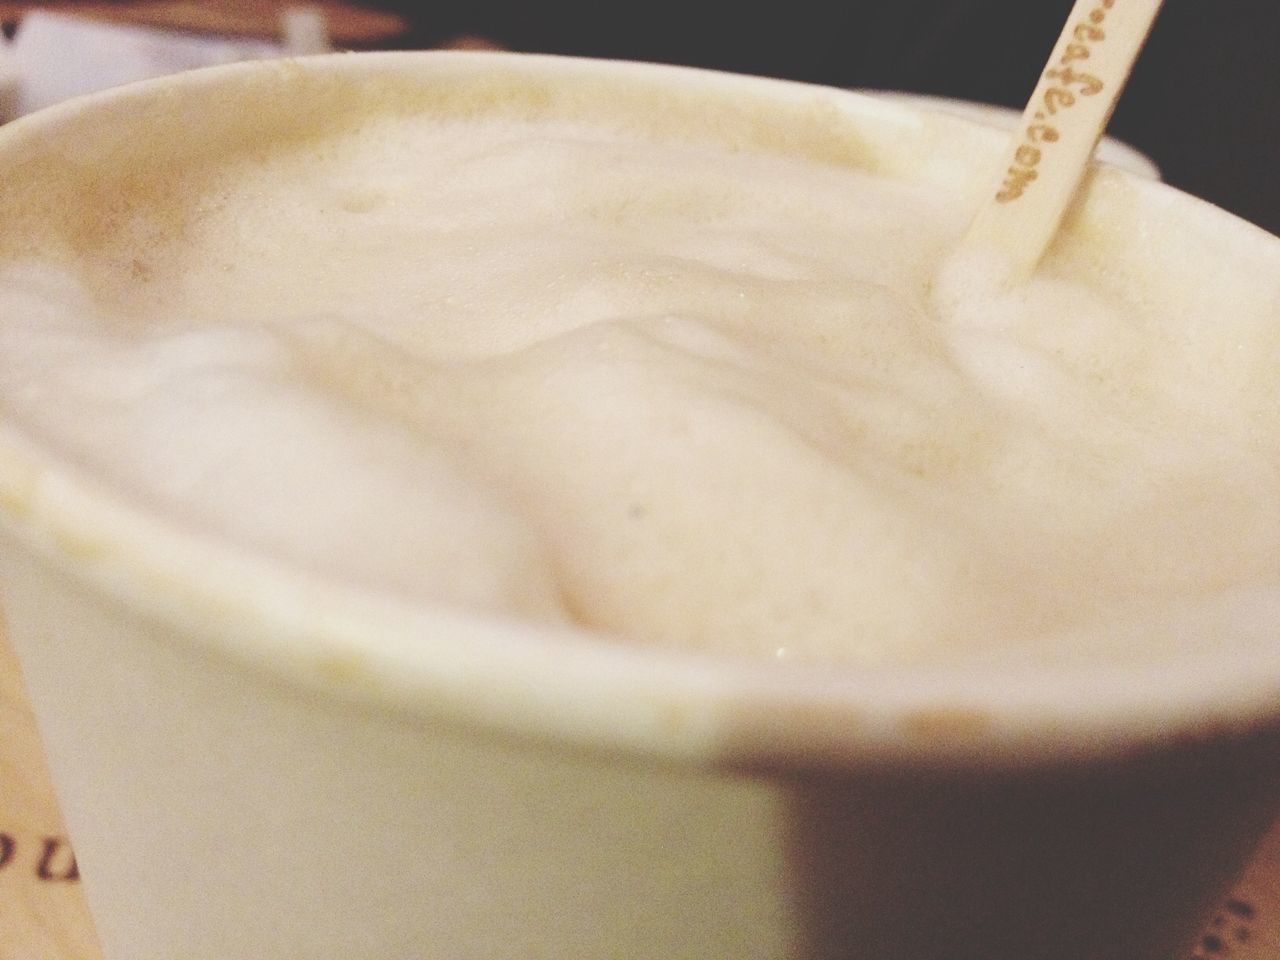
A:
(1052, 866)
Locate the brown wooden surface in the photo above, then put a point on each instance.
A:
(42, 911)
(349, 25)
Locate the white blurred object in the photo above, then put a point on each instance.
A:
(1109, 150)
(58, 57)
(10, 82)
(304, 30)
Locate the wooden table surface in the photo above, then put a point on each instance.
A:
(42, 910)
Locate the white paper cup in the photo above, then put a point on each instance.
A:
(261, 765)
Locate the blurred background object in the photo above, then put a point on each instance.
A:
(58, 56)
(8, 82)
(62, 50)
(348, 25)
(1203, 103)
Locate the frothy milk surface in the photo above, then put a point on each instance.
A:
(679, 392)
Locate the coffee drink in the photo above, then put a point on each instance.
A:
(559, 359)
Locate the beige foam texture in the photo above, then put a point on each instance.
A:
(683, 386)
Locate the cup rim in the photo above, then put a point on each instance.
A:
(569, 686)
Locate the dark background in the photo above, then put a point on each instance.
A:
(1203, 102)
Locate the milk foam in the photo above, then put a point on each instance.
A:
(682, 396)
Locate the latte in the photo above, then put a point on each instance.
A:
(693, 388)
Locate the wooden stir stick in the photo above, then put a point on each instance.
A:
(1060, 128)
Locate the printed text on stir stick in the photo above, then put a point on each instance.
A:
(1070, 82)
